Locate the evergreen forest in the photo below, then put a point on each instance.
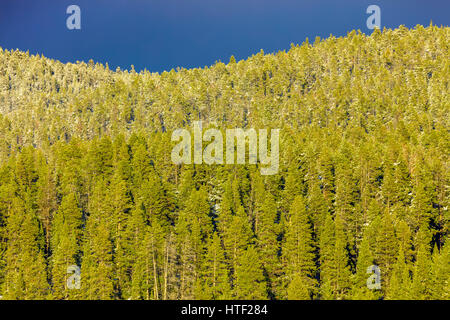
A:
(87, 180)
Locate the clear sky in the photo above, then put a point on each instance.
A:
(159, 35)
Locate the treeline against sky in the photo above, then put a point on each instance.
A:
(86, 176)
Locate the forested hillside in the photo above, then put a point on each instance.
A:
(86, 176)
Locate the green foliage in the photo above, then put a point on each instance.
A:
(86, 176)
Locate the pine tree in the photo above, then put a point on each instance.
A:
(134, 236)
(298, 255)
(341, 283)
(400, 282)
(97, 269)
(66, 241)
(298, 288)
(267, 241)
(360, 291)
(293, 186)
(440, 271)
(193, 229)
(237, 237)
(214, 283)
(25, 272)
(424, 196)
(422, 281)
(386, 247)
(120, 204)
(46, 198)
(316, 204)
(327, 258)
(250, 283)
(146, 282)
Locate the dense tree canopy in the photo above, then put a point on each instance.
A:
(86, 176)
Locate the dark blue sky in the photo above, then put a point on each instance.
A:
(163, 34)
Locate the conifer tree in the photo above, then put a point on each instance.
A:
(341, 282)
(327, 258)
(366, 259)
(25, 271)
(250, 283)
(298, 255)
(97, 269)
(400, 282)
(267, 240)
(440, 271)
(146, 282)
(214, 283)
(136, 228)
(193, 228)
(316, 204)
(298, 288)
(237, 237)
(422, 281)
(386, 247)
(120, 204)
(66, 241)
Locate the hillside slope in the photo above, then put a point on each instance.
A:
(86, 177)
